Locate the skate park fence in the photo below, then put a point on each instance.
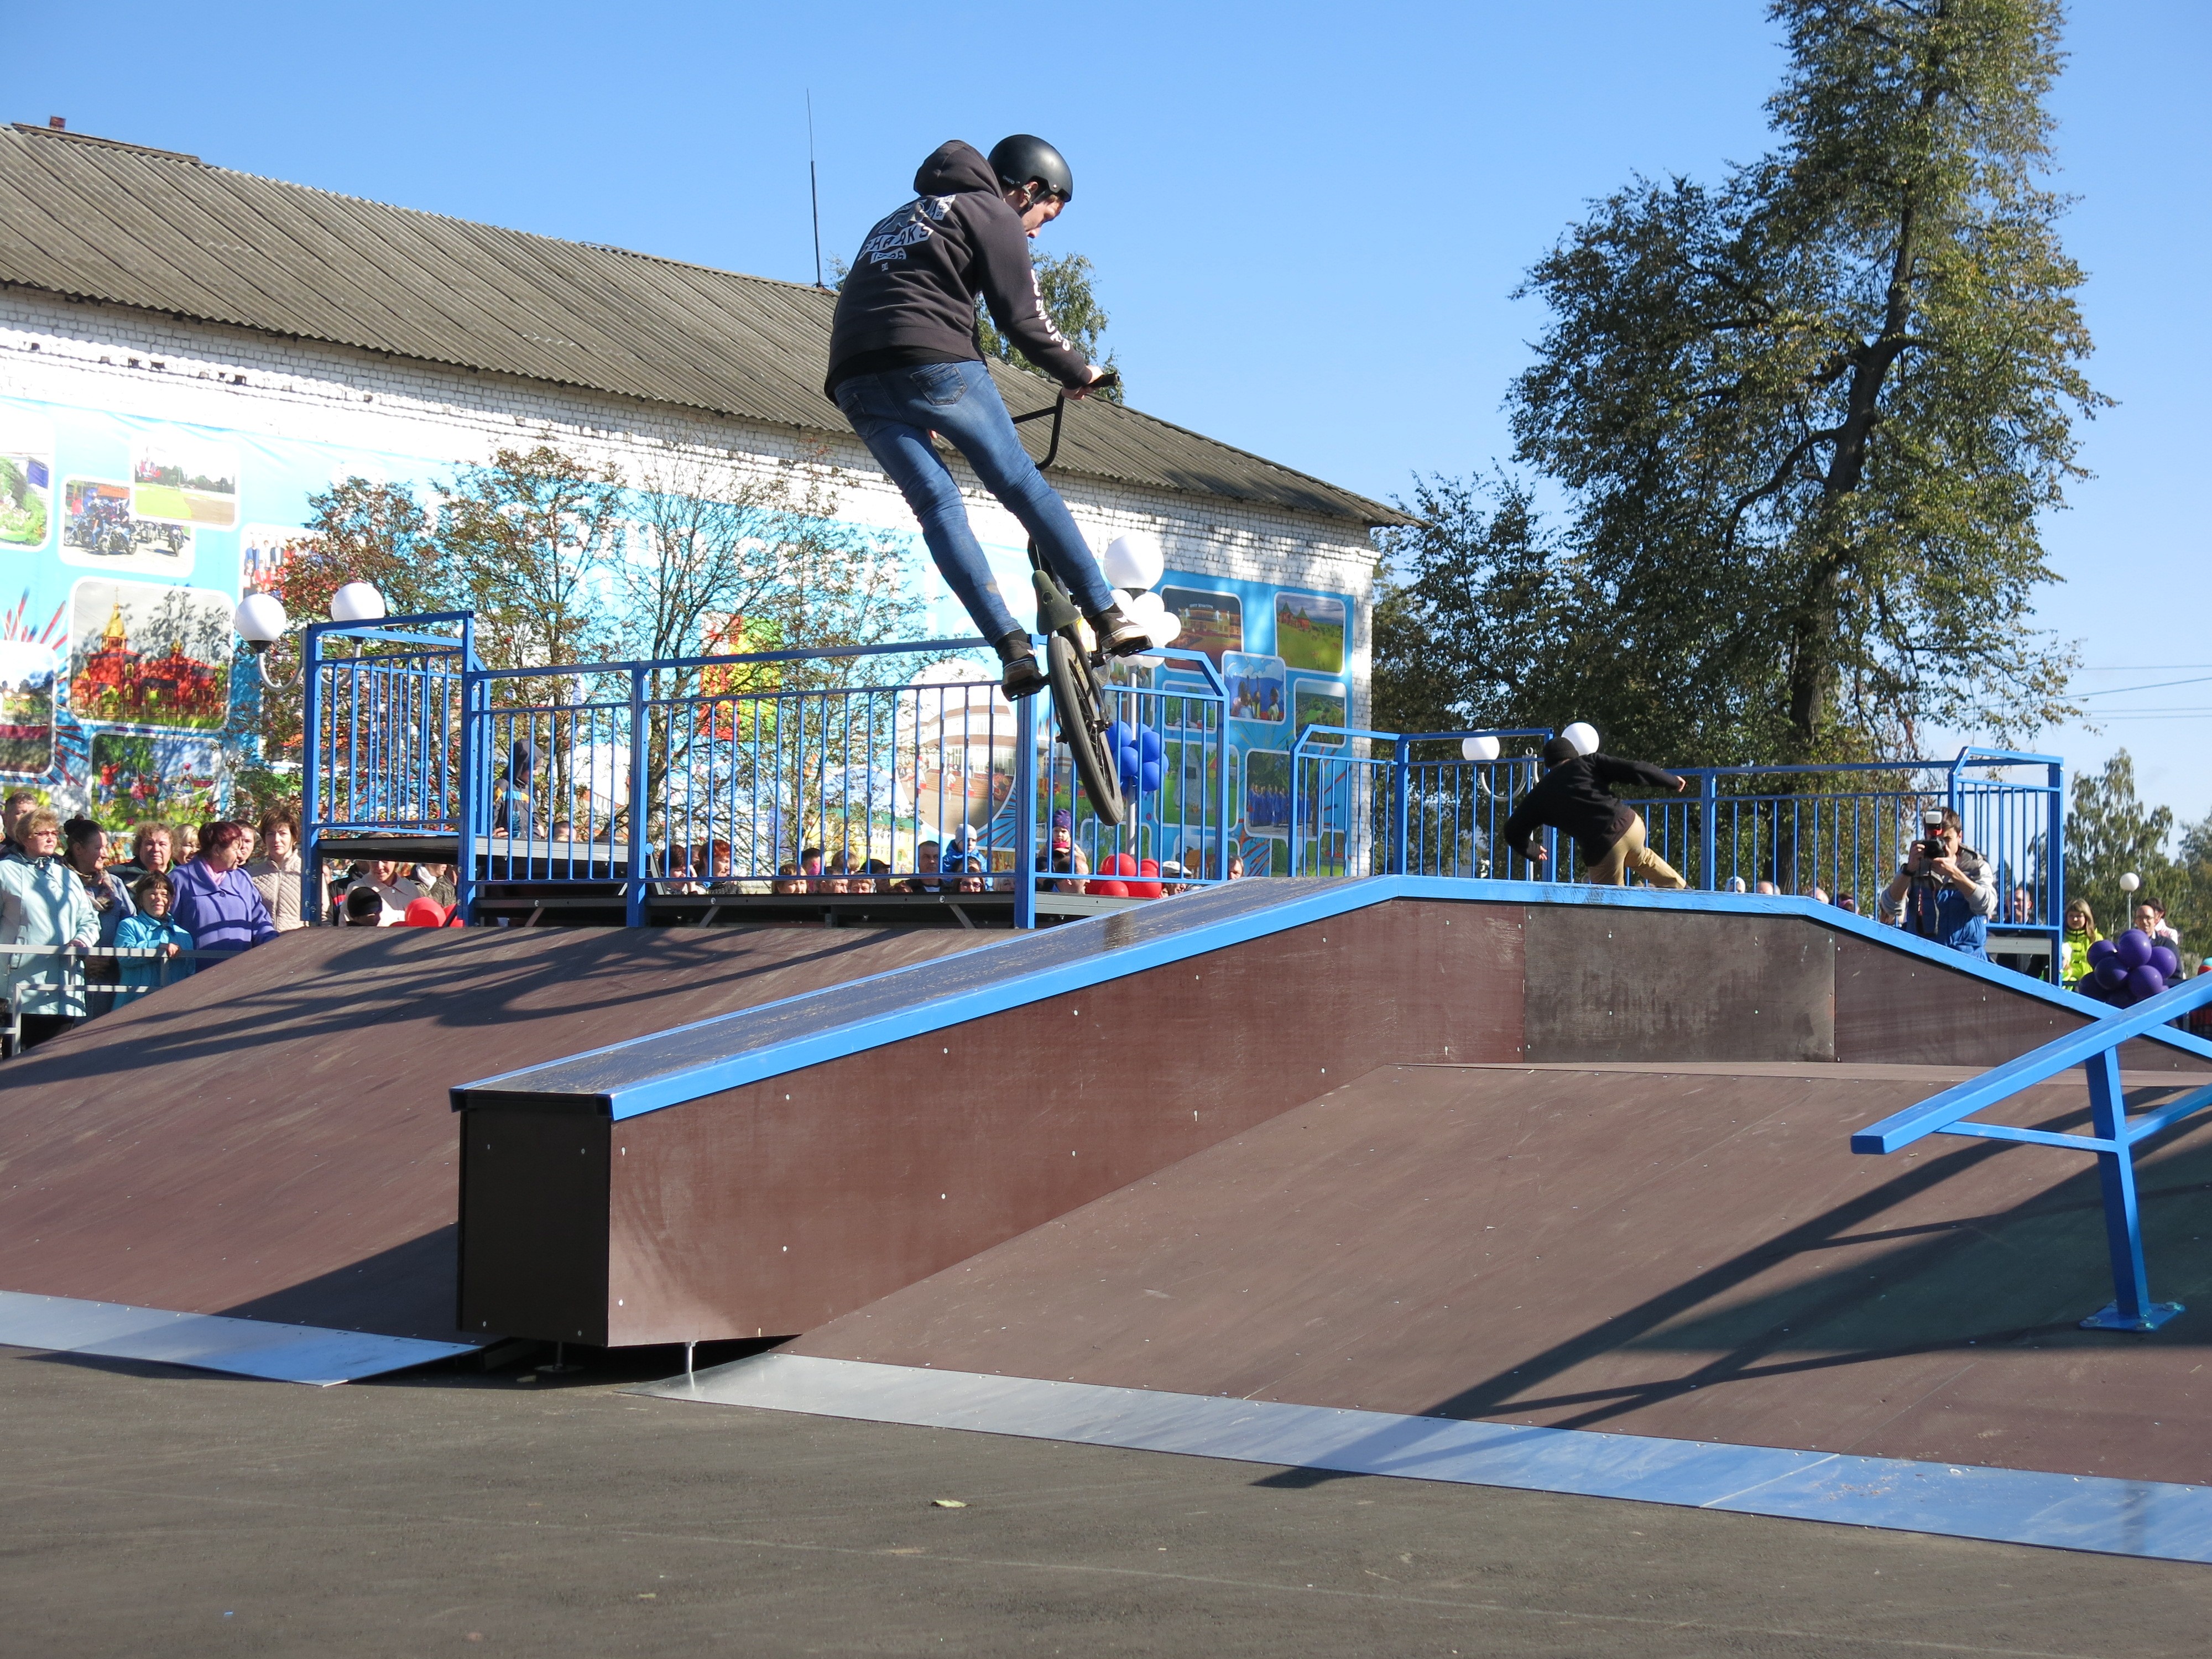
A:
(1384, 802)
(660, 784)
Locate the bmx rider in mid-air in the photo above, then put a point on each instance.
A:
(906, 360)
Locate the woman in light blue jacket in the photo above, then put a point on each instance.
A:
(42, 902)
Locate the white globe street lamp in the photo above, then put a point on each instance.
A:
(260, 620)
(356, 602)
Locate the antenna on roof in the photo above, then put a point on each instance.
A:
(813, 187)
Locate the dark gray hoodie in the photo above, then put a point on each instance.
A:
(910, 296)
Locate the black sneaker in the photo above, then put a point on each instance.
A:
(1021, 677)
(1120, 634)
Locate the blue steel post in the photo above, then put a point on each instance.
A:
(1025, 812)
(474, 820)
(1400, 753)
(1221, 822)
(1298, 766)
(2055, 834)
(633, 896)
(311, 777)
(2130, 1308)
(1708, 829)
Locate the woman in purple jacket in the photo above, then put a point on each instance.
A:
(216, 900)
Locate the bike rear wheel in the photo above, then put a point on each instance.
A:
(1081, 702)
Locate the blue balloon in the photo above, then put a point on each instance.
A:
(2163, 959)
(2099, 950)
(1131, 769)
(1121, 735)
(1151, 775)
(2110, 973)
(2146, 981)
(2132, 947)
(1152, 747)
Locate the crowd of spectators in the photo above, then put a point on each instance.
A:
(102, 917)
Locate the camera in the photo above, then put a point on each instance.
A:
(1929, 847)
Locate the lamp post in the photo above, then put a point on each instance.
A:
(260, 620)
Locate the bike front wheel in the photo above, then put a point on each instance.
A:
(1080, 702)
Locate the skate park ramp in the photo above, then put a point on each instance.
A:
(1683, 1262)
(271, 1141)
(771, 1171)
(1687, 1251)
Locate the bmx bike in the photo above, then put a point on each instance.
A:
(1074, 664)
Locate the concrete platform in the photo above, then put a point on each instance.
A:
(153, 1511)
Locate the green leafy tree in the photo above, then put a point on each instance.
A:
(1065, 285)
(1809, 415)
(1476, 614)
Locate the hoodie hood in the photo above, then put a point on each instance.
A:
(955, 167)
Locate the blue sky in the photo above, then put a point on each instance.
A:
(1307, 220)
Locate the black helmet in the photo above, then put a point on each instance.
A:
(1024, 158)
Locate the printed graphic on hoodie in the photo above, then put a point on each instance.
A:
(893, 236)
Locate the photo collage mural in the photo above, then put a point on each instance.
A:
(124, 545)
(1284, 656)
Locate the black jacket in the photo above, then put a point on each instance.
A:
(1574, 796)
(910, 296)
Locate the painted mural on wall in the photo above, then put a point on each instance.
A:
(125, 542)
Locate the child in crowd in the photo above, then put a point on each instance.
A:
(2080, 933)
(149, 928)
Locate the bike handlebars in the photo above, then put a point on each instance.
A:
(1111, 377)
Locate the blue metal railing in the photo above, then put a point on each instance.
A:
(2112, 1139)
(1366, 803)
(1376, 803)
(624, 782)
(386, 746)
(629, 781)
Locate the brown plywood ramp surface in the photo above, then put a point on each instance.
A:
(273, 1138)
(1687, 1251)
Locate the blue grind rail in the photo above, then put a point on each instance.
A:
(688, 1062)
(2096, 1049)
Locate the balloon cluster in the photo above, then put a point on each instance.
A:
(1122, 875)
(1138, 749)
(1133, 563)
(2124, 971)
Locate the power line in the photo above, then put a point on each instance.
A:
(2156, 685)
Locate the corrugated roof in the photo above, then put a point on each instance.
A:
(92, 219)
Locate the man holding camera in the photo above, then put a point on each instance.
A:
(1943, 892)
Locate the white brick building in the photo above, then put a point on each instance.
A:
(186, 353)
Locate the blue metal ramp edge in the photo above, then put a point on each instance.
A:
(2156, 1519)
(210, 1342)
(687, 1062)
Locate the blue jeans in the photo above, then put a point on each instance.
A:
(896, 411)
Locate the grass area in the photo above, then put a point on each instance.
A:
(149, 501)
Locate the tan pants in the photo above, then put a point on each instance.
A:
(1630, 855)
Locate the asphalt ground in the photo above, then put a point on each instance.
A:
(150, 1510)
